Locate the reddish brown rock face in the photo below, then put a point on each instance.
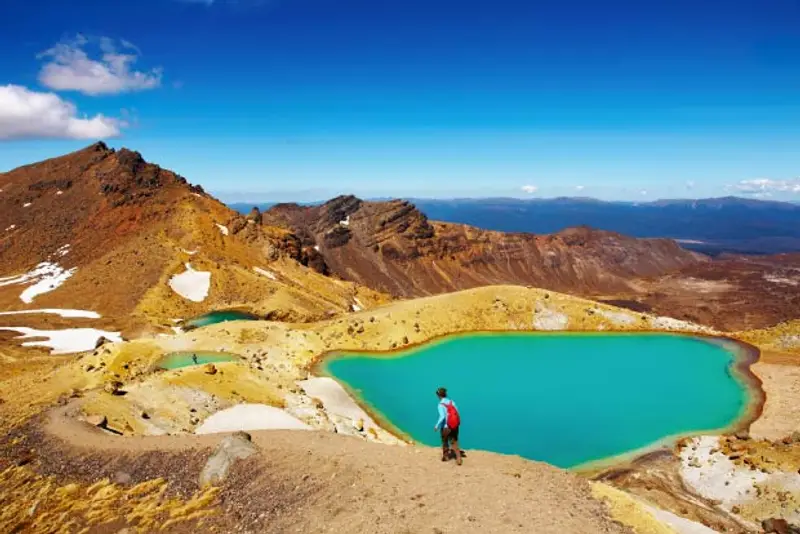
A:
(393, 247)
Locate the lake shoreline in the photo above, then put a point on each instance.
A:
(744, 356)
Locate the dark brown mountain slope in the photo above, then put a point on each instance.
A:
(391, 246)
(104, 230)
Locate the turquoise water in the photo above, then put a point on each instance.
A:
(563, 399)
(218, 317)
(176, 360)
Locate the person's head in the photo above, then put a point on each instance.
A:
(441, 393)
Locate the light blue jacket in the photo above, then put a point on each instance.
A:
(442, 422)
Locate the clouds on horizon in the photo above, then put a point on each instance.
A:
(70, 68)
(530, 189)
(27, 114)
(766, 187)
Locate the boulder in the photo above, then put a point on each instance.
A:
(237, 446)
(776, 526)
(743, 435)
(114, 387)
(254, 215)
(210, 369)
(237, 225)
(358, 425)
(97, 420)
(102, 340)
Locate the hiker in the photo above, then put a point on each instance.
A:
(448, 424)
(194, 358)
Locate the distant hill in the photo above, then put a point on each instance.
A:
(712, 226)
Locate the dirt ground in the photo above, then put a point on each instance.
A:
(299, 481)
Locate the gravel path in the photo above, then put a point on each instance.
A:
(315, 482)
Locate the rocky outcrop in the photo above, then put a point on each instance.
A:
(393, 247)
(234, 447)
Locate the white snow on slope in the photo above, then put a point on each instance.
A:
(250, 417)
(67, 314)
(316, 247)
(59, 192)
(26, 204)
(358, 305)
(223, 229)
(345, 221)
(190, 284)
(264, 272)
(64, 341)
(46, 277)
(11, 227)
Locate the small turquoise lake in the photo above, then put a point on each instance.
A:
(176, 360)
(215, 317)
(566, 399)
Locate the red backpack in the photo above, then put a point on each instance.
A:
(453, 419)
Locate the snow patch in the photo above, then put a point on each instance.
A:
(64, 341)
(250, 417)
(59, 192)
(45, 277)
(316, 247)
(191, 285)
(264, 272)
(358, 305)
(189, 252)
(11, 227)
(223, 229)
(63, 251)
(26, 204)
(345, 221)
(67, 314)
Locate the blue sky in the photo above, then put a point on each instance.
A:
(305, 99)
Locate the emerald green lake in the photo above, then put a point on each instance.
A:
(564, 399)
(218, 317)
(176, 360)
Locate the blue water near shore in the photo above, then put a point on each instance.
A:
(565, 399)
(215, 317)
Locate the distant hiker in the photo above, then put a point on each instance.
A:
(448, 424)
(194, 358)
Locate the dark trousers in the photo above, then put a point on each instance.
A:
(448, 435)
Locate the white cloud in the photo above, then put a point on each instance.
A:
(765, 187)
(580, 187)
(690, 184)
(28, 114)
(69, 67)
(643, 192)
(530, 189)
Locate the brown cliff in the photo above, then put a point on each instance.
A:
(393, 247)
